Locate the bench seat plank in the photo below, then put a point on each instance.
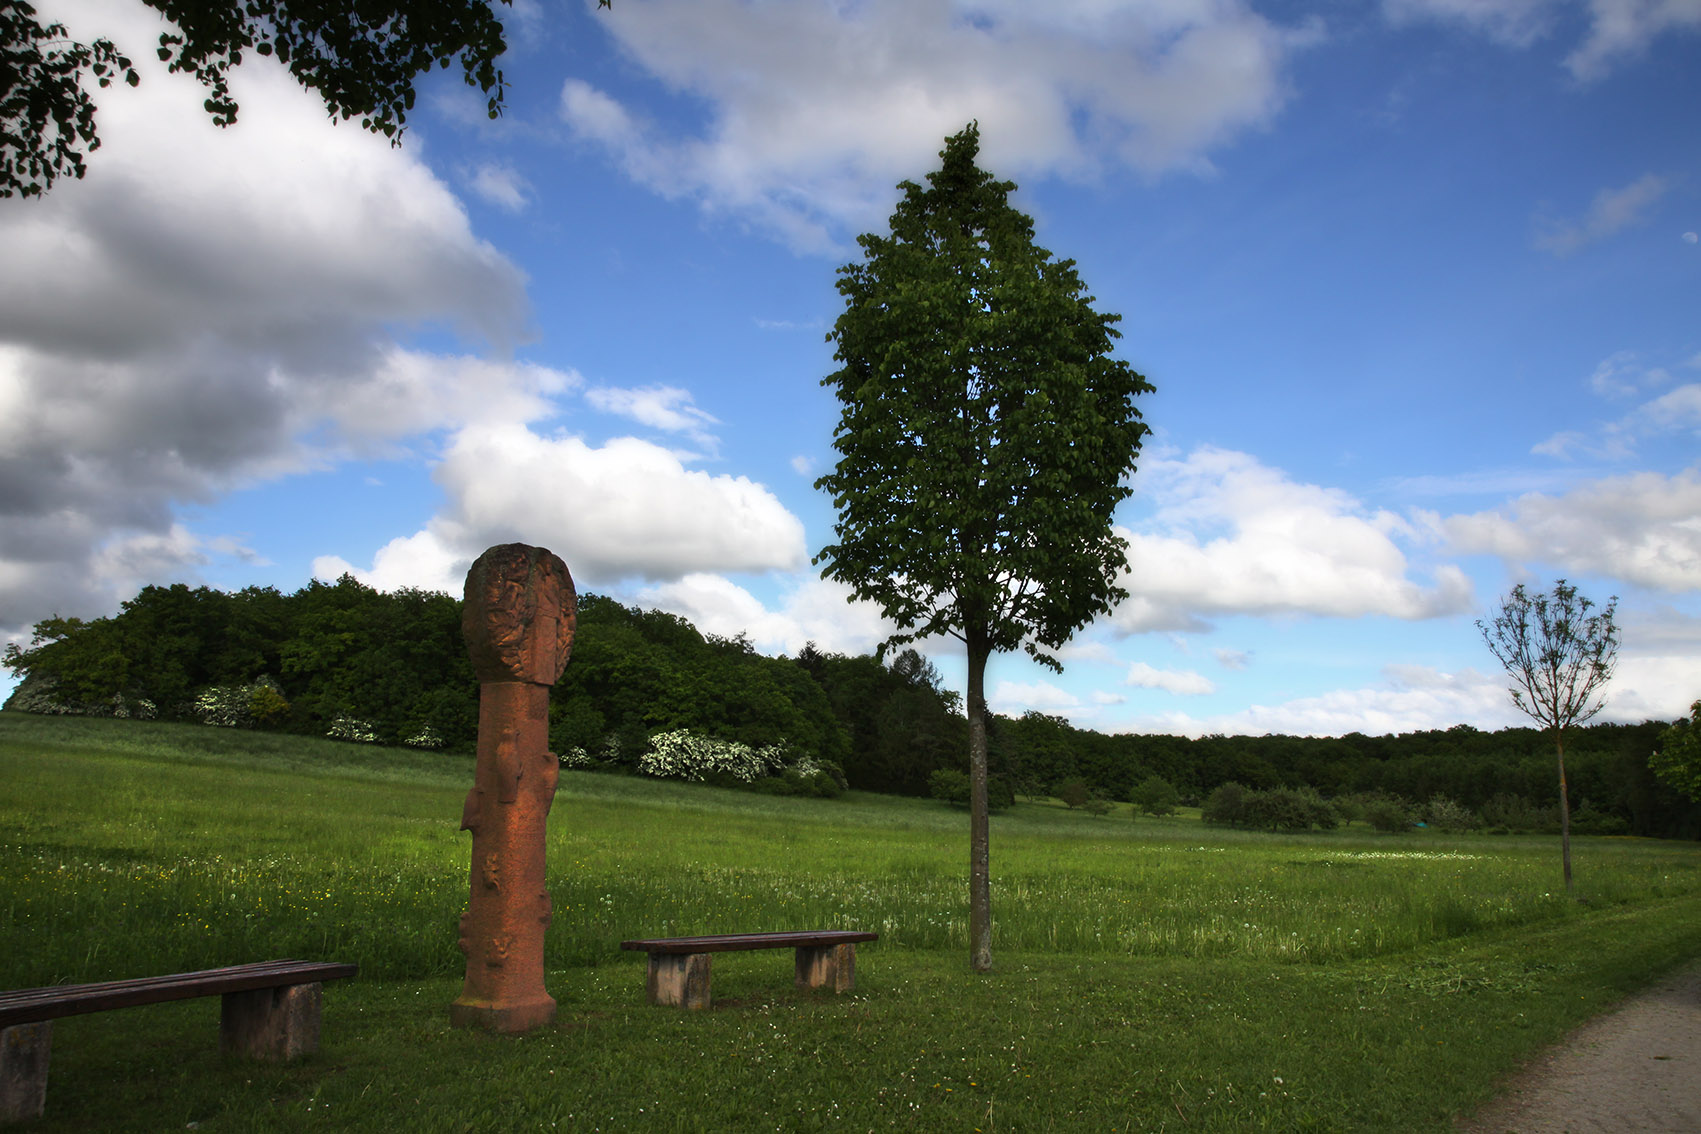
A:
(32, 1005)
(727, 942)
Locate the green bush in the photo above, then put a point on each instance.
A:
(1224, 804)
(1155, 796)
(1587, 821)
(949, 786)
(1288, 809)
(1446, 815)
(1388, 813)
(1073, 793)
(1515, 813)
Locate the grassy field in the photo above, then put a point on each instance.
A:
(1151, 974)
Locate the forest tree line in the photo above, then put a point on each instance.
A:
(344, 659)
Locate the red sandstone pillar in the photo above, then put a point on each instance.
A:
(518, 624)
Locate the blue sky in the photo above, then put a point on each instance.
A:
(1418, 284)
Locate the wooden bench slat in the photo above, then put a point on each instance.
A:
(727, 942)
(31, 1005)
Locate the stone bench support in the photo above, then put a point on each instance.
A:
(269, 1011)
(679, 966)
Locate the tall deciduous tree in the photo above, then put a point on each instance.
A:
(361, 57)
(986, 436)
(1559, 657)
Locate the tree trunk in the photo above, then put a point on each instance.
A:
(1564, 810)
(980, 875)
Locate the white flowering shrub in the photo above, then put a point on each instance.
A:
(40, 695)
(141, 709)
(576, 757)
(424, 737)
(683, 755)
(237, 706)
(348, 728)
(225, 706)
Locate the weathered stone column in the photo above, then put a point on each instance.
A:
(518, 624)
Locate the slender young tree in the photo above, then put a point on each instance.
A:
(1559, 657)
(986, 435)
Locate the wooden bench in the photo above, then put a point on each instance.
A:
(270, 1011)
(679, 966)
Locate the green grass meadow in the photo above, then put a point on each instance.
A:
(1151, 974)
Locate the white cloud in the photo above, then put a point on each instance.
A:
(627, 508)
(422, 561)
(1691, 237)
(1612, 211)
(1622, 375)
(1624, 29)
(1408, 699)
(816, 109)
(1644, 528)
(501, 185)
(213, 307)
(1013, 698)
(811, 609)
(1183, 682)
(1233, 659)
(1618, 29)
(667, 408)
(1233, 536)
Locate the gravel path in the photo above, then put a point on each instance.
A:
(1635, 1069)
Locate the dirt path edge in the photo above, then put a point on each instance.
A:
(1638, 1067)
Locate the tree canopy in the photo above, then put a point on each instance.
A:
(986, 435)
(361, 58)
(1678, 759)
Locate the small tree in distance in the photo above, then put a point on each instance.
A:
(1559, 657)
(986, 436)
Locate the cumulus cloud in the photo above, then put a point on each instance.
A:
(1644, 528)
(810, 609)
(1618, 29)
(1013, 698)
(624, 509)
(1612, 211)
(1183, 682)
(210, 308)
(1233, 536)
(815, 109)
(666, 408)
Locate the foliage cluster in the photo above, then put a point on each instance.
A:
(397, 662)
(1274, 809)
(361, 59)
